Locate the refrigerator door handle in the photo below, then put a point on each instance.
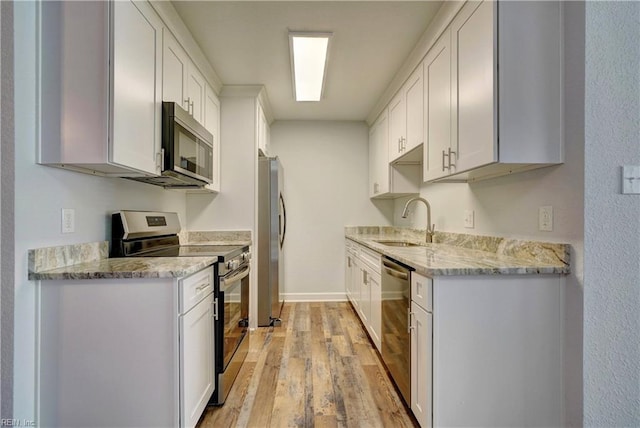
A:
(282, 222)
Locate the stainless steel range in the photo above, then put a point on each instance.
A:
(155, 234)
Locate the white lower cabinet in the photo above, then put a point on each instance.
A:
(497, 350)
(421, 364)
(363, 286)
(196, 349)
(486, 350)
(375, 311)
(126, 352)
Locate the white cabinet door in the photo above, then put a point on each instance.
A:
(355, 282)
(212, 123)
(175, 66)
(347, 274)
(182, 82)
(137, 86)
(379, 156)
(474, 84)
(421, 365)
(375, 309)
(196, 361)
(397, 126)
(263, 132)
(414, 100)
(439, 155)
(365, 295)
(196, 93)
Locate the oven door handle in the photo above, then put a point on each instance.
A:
(233, 278)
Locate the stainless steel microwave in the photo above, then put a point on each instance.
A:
(187, 151)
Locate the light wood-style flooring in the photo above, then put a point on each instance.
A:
(318, 369)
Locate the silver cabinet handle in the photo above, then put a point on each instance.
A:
(451, 164)
(375, 188)
(409, 326)
(215, 308)
(192, 109)
(202, 286)
(187, 101)
(444, 154)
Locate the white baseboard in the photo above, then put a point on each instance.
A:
(315, 297)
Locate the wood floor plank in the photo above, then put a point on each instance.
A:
(325, 421)
(264, 396)
(390, 407)
(318, 369)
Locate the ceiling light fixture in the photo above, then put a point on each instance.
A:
(309, 54)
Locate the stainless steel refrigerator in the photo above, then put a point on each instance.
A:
(272, 226)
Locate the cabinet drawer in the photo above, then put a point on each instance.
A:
(370, 258)
(422, 291)
(194, 288)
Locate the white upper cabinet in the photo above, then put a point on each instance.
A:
(487, 98)
(100, 87)
(196, 88)
(506, 63)
(184, 84)
(263, 132)
(406, 117)
(137, 32)
(474, 65)
(175, 66)
(212, 123)
(414, 102)
(397, 126)
(439, 153)
(379, 156)
(388, 181)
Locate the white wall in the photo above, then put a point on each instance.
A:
(326, 182)
(41, 192)
(612, 220)
(233, 208)
(508, 206)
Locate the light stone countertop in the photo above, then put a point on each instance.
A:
(460, 254)
(91, 260)
(132, 267)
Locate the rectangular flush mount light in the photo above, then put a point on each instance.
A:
(309, 52)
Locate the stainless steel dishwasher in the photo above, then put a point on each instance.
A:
(396, 336)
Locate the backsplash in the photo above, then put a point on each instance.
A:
(43, 259)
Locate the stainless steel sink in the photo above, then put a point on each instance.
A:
(398, 243)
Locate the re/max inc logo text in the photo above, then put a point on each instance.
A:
(17, 423)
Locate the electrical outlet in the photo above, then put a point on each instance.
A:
(469, 219)
(68, 220)
(545, 218)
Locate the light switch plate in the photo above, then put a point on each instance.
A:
(631, 179)
(68, 220)
(545, 218)
(469, 219)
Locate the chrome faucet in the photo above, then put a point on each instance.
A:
(430, 227)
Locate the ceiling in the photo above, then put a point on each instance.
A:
(247, 42)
